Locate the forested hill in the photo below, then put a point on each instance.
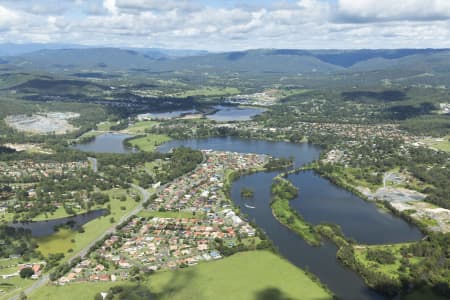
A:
(288, 61)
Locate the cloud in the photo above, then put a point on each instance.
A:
(7, 18)
(37, 7)
(229, 25)
(352, 11)
(157, 5)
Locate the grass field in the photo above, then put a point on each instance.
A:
(13, 286)
(209, 91)
(149, 142)
(62, 240)
(441, 144)
(391, 270)
(258, 275)
(139, 127)
(60, 212)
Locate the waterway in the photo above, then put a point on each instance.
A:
(168, 114)
(106, 143)
(318, 201)
(234, 113)
(44, 228)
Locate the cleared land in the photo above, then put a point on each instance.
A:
(209, 91)
(442, 144)
(55, 122)
(247, 275)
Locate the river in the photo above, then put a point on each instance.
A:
(318, 201)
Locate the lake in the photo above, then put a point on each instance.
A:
(106, 143)
(167, 115)
(44, 228)
(234, 113)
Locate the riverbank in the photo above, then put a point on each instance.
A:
(282, 192)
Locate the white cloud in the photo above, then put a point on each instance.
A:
(193, 24)
(110, 6)
(388, 10)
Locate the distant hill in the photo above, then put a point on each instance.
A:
(10, 49)
(91, 61)
(91, 58)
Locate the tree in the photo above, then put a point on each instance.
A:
(26, 272)
(98, 296)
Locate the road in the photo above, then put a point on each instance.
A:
(94, 164)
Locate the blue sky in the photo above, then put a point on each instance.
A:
(230, 24)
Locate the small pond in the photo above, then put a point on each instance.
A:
(44, 228)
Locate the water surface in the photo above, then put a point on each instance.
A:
(106, 143)
(234, 113)
(318, 201)
(45, 228)
(168, 114)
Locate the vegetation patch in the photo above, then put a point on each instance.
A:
(149, 142)
(282, 192)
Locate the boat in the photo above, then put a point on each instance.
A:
(248, 206)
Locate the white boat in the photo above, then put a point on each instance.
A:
(248, 206)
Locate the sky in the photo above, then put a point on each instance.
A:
(229, 24)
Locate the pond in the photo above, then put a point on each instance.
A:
(106, 143)
(234, 113)
(167, 115)
(44, 228)
(318, 201)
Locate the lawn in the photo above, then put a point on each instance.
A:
(62, 240)
(149, 142)
(255, 275)
(13, 286)
(139, 127)
(105, 126)
(209, 91)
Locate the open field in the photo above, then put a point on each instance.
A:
(265, 276)
(62, 240)
(13, 286)
(442, 144)
(139, 127)
(209, 91)
(149, 142)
